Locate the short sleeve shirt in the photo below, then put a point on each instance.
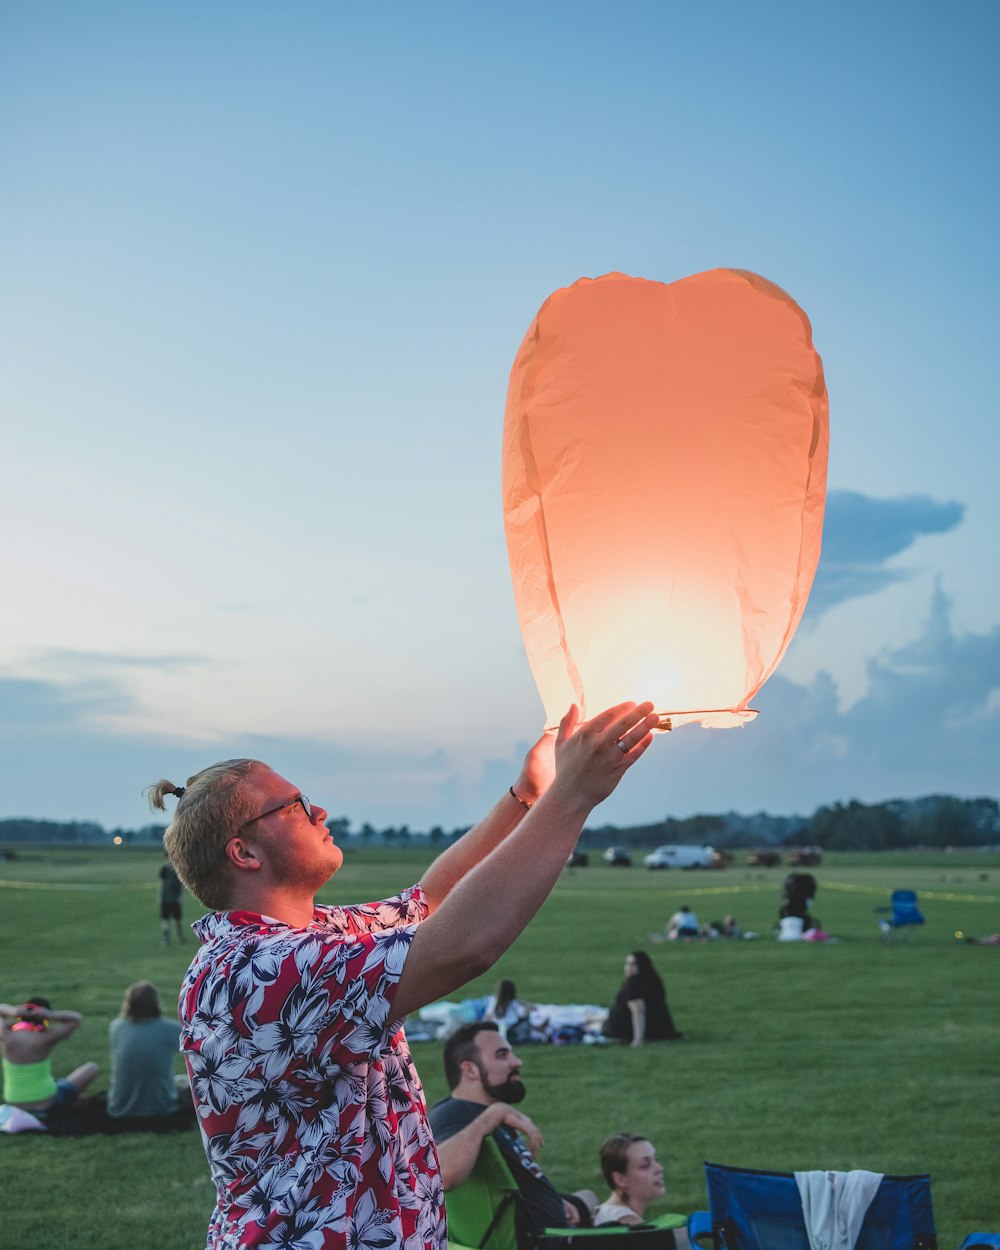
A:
(542, 1202)
(142, 1067)
(310, 1108)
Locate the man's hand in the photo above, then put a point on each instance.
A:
(592, 757)
(457, 1154)
(509, 1117)
(571, 1213)
(486, 887)
(538, 770)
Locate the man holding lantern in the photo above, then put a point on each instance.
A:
(311, 1111)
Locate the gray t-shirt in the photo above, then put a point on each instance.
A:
(543, 1203)
(142, 1066)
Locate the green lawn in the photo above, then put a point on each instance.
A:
(849, 1054)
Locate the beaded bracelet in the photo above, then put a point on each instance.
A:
(526, 805)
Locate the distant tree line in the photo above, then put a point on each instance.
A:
(721, 831)
(938, 820)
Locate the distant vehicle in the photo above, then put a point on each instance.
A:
(804, 856)
(617, 857)
(763, 859)
(681, 857)
(578, 859)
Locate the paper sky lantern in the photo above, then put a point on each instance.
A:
(664, 474)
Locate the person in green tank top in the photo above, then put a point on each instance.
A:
(28, 1035)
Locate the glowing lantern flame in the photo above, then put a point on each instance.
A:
(664, 474)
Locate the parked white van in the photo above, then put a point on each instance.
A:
(680, 857)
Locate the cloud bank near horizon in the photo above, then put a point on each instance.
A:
(929, 722)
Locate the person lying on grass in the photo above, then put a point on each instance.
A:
(28, 1036)
(311, 1111)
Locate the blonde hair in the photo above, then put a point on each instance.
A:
(212, 808)
(141, 1002)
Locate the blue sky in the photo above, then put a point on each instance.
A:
(265, 272)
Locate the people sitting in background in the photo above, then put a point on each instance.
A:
(28, 1035)
(640, 1013)
(503, 1007)
(727, 928)
(683, 924)
(512, 1017)
(483, 1074)
(635, 1178)
(144, 1048)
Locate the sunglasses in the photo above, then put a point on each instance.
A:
(299, 798)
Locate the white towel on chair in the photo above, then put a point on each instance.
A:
(834, 1205)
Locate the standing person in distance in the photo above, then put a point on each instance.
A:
(171, 893)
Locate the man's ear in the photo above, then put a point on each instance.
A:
(243, 855)
(470, 1071)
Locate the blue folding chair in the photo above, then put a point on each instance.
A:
(751, 1210)
(904, 914)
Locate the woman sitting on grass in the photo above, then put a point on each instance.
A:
(635, 1177)
(640, 1013)
(28, 1035)
(512, 1017)
(144, 1046)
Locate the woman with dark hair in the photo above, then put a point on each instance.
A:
(503, 1007)
(144, 1047)
(514, 1019)
(640, 1013)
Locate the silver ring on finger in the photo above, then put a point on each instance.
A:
(620, 744)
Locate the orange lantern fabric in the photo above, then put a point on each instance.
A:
(664, 477)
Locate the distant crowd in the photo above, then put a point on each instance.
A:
(142, 1092)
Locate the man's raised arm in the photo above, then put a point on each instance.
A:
(451, 866)
(485, 911)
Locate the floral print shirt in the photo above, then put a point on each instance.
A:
(311, 1111)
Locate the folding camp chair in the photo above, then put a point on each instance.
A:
(904, 914)
(482, 1211)
(751, 1210)
(483, 1215)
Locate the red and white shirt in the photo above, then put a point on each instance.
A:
(311, 1111)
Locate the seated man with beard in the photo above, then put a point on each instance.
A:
(482, 1074)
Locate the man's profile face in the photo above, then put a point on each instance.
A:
(299, 848)
(498, 1068)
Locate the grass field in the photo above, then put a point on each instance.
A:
(848, 1054)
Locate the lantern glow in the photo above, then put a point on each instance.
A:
(664, 475)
